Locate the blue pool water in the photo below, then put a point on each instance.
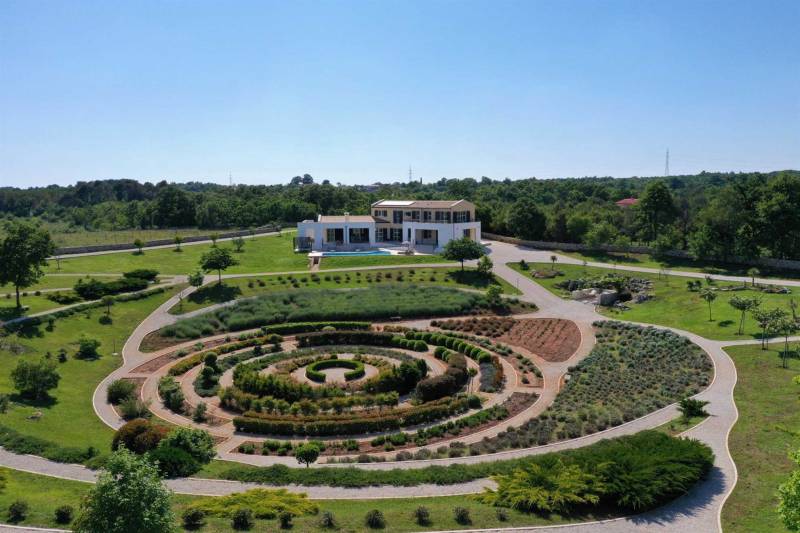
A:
(340, 254)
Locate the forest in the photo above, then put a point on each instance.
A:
(712, 215)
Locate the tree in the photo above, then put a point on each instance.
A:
(196, 442)
(789, 496)
(786, 327)
(485, 266)
(128, 497)
(307, 453)
(218, 259)
(599, 234)
(743, 305)
(493, 295)
(23, 253)
(108, 302)
(657, 207)
(462, 250)
(178, 240)
(33, 379)
(553, 259)
(709, 296)
(214, 236)
(139, 244)
(753, 272)
(87, 348)
(765, 319)
(238, 244)
(525, 220)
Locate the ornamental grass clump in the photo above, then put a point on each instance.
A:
(264, 503)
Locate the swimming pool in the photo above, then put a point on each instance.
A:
(367, 252)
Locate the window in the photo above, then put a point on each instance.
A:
(335, 235)
(397, 217)
(381, 213)
(415, 216)
(396, 234)
(359, 235)
(409, 234)
(467, 234)
(380, 234)
(426, 216)
(427, 234)
(442, 216)
(461, 216)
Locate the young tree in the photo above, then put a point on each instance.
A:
(786, 327)
(462, 250)
(214, 236)
(238, 244)
(765, 319)
(485, 266)
(307, 453)
(743, 305)
(33, 379)
(553, 259)
(23, 253)
(709, 296)
(139, 244)
(108, 302)
(218, 259)
(178, 240)
(128, 497)
(87, 348)
(753, 272)
(789, 496)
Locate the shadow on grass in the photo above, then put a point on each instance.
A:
(45, 401)
(473, 278)
(725, 323)
(215, 293)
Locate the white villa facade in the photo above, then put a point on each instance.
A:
(425, 225)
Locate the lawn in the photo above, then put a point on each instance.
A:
(673, 305)
(44, 494)
(677, 263)
(769, 413)
(49, 282)
(261, 254)
(31, 304)
(69, 418)
(89, 238)
(234, 288)
(331, 263)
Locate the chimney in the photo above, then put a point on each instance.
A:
(346, 216)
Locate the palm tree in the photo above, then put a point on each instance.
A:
(709, 296)
(553, 259)
(765, 319)
(744, 305)
(753, 272)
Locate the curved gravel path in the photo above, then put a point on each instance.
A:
(697, 511)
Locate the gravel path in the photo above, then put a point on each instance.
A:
(697, 511)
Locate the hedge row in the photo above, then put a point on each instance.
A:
(350, 424)
(191, 362)
(304, 327)
(437, 339)
(445, 384)
(369, 338)
(94, 289)
(356, 369)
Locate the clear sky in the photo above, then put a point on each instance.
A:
(358, 91)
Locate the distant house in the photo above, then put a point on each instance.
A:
(627, 202)
(417, 224)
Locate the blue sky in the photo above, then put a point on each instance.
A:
(358, 91)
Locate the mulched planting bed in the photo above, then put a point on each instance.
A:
(552, 339)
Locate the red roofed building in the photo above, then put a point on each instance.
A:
(627, 202)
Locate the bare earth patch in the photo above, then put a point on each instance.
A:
(552, 339)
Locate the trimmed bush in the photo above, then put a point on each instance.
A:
(18, 511)
(64, 514)
(242, 519)
(375, 520)
(174, 462)
(193, 518)
(139, 436)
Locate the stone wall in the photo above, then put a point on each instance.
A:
(769, 262)
(159, 242)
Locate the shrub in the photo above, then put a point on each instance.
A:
(461, 515)
(139, 436)
(690, 407)
(142, 273)
(87, 348)
(196, 442)
(64, 514)
(375, 520)
(120, 390)
(33, 379)
(242, 519)
(286, 520)
(18, 511)
(171, 394)
(133, 408)
(94, 289)
(174, 462)
(501, 514)
(422, 516)
(193, 518)
(327, 520)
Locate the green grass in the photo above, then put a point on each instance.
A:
(234, 288)
(677, 263)
(673, 304)
(759, 443)
(31, 304)
(50, 282)
(69, 419)
(44, 494)
(330, 263)
(262, 254)
(678, 425)
(89, 238)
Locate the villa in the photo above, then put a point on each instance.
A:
(423, 225)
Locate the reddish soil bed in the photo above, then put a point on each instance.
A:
(552, 339)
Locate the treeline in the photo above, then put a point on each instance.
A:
(713, 215)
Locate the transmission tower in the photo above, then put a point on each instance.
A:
(666, 165)
(410, 174)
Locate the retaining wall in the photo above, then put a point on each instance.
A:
(769, 262)
(160, 242)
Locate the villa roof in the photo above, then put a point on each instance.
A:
(625, 202)
(346, 218)
(430, 204)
